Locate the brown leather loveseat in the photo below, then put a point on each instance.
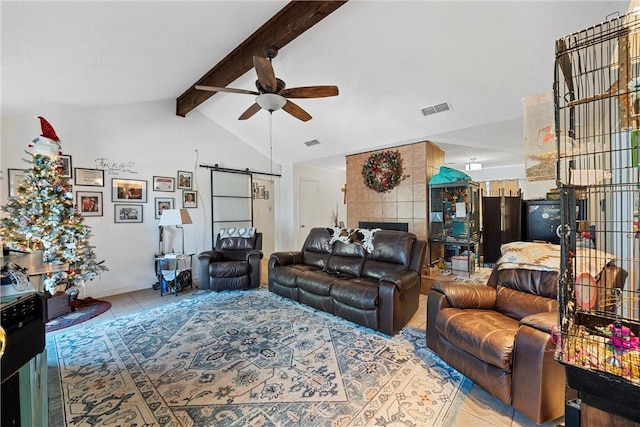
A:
(379, 289)
(500, 334)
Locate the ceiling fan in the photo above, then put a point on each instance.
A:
(272, 93)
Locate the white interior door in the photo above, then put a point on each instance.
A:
(308, 209)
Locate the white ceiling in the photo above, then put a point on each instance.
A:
(389, 59)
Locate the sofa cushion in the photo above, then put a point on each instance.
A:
(544, 283)
(237, 243)
(316, 282)
(287, 275)
(315, 259)
(317, 249)
(347, 258)
(376, 269)
(392, 246)
(358, 292)
(517, 305)
(229, 269)
(486, 334)
(391, 253)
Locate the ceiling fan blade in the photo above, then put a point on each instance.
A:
(310, 92)
(226, 89)
(296, 111)
(266, 75)
(249, 112)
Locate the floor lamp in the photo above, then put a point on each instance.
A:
(177, 217)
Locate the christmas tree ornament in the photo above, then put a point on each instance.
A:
(48, 143)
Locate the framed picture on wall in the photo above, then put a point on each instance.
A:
(127, 213)
(127, 190)
(184, 180)
(162, 203)
(89, 203)
(189, 199)
(89, 177)
(163, 183)
(15, 177)
(64, 165)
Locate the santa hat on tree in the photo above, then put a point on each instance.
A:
(47, 130)
(47, 143)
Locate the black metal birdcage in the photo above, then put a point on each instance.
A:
(597, 116)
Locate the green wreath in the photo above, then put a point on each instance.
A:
(383, 171)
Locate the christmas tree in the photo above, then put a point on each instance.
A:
(42, 216)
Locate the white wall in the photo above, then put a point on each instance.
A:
(152, 141)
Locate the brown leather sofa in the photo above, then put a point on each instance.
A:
(379, 290)
(499, 336)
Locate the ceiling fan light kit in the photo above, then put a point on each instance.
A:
(271, 101)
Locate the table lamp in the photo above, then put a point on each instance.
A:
(176, 217)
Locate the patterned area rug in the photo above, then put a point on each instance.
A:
(248, 358)
(85, 309)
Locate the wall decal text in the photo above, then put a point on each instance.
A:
(115, 168)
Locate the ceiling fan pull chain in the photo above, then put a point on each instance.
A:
(271, 143)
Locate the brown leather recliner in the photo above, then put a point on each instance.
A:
(499, 336)
(233, 264)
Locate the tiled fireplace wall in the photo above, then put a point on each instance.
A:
(408, 202)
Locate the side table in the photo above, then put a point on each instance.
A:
(175, 272)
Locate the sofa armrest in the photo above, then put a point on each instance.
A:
(286, 258)
(204, 259)
(545, 322)
(254, 253)
(466, 295)
(402, 280)
(210, 256)
(539, 382)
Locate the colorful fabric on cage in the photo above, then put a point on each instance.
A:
(546, 257)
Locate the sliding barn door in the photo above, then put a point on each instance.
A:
(231, 202)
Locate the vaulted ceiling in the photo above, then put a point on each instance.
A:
(390, 60)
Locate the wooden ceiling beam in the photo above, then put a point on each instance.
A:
(294, 19)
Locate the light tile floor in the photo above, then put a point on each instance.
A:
(480, 408)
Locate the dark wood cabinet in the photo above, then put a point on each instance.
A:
(501, 223)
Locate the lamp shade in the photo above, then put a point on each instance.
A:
(270, 101)
(175, 217)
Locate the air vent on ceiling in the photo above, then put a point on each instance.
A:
(312, 142)
(438, 108)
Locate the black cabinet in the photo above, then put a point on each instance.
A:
(501, 223)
